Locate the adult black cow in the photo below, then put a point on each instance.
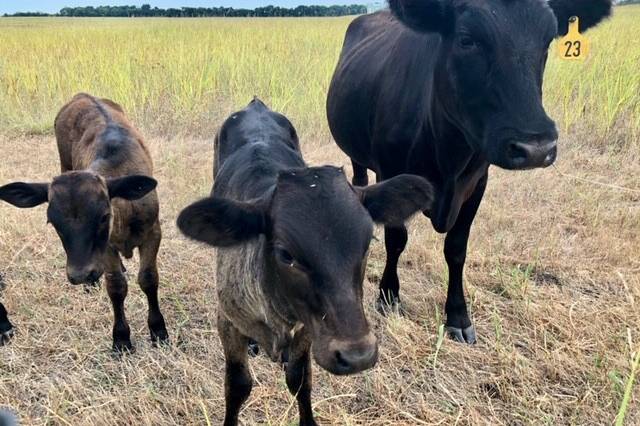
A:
(444, 89)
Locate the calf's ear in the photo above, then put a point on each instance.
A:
(424, 15)
(590, 13)
(394, 201)
(25, 195)
(221, 222)
(131, 187)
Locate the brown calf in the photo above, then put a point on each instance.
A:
(103, 205)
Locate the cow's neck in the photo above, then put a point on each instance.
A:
(442, 154)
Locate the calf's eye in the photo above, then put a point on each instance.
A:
(466, 42)
(284, 257)
(105, 219)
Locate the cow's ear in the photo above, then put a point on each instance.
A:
(424, 15)
(590, 13)
(25, 195)
(394, 201)
(131, 187)
(222, 222)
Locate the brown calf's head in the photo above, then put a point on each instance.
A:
(80, 211)
(318, 229)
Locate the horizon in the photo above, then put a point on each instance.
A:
(54, 6)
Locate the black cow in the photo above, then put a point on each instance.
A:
(444, 89)
(293, 246)
(6, 328)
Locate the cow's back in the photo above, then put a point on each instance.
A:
(380, 89)
(83, 128)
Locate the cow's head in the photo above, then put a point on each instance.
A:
(317, 229)
(489, 73)
(80, 211)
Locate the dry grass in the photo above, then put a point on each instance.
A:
(553, 282)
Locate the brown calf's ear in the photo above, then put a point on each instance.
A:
(221, 222)
(25, 195)
(394, 201)
(131, 187)
(590, 13)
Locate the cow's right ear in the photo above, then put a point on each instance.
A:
(428, 16)
(223, 223)
(25, 195)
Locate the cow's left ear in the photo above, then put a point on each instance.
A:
(590, 13)
(131, 187)
(25, 195)
(394, 201)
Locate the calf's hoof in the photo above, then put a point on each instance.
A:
(123, 347)
(388, 305)
(253, 349)
(462, 335)
(159, 337)
(6, 333)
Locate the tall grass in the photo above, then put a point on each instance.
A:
(174, 75)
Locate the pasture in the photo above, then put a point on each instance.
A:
(552, 276)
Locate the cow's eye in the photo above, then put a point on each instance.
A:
(285, 257)
(467, 42)
(105, 219)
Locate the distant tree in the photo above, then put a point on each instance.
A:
(192, 12)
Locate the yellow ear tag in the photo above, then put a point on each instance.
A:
(574, 46)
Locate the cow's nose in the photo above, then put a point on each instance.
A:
(351, 358)
(84, 276)
(532, 154)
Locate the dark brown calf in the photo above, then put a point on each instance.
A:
(103, 205)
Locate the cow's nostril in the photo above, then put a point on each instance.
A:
(518, 151)
(342, 362)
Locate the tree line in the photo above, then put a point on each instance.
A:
(196, 12)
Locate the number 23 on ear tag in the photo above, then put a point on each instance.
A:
(574, 46)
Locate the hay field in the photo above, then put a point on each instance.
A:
(552, 277)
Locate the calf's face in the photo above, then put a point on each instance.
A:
(80, 212)
(318, 229)
(490, 70)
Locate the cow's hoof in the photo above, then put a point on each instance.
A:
(388, 306)
(159, 337)
(462, 335)
(123, 347)
(6, 335)
(253, 349)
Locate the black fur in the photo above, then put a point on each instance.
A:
(25, 195)
(394, 201)
(423, 15)
(590, 13)
(131, 187)
(221, 222)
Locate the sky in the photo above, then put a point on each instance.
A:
(12, 6)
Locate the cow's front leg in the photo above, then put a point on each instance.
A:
(117, 288)
(459, 326)
(395, 241)
(149, 282)
(299, 376)
(6, 328)
(238, 381)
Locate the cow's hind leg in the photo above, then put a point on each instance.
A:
(6, 328)
(395, 240)
(299, 376)
(459, 326)
(117, 289)
(149, 281)
(360, 176)
(238, 381)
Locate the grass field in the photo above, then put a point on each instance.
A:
(552, 277)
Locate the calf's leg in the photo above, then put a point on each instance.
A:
(117, 288)
(6, 328)
(238, 381)
(299, 376)
(148, 281)
(459, 326)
